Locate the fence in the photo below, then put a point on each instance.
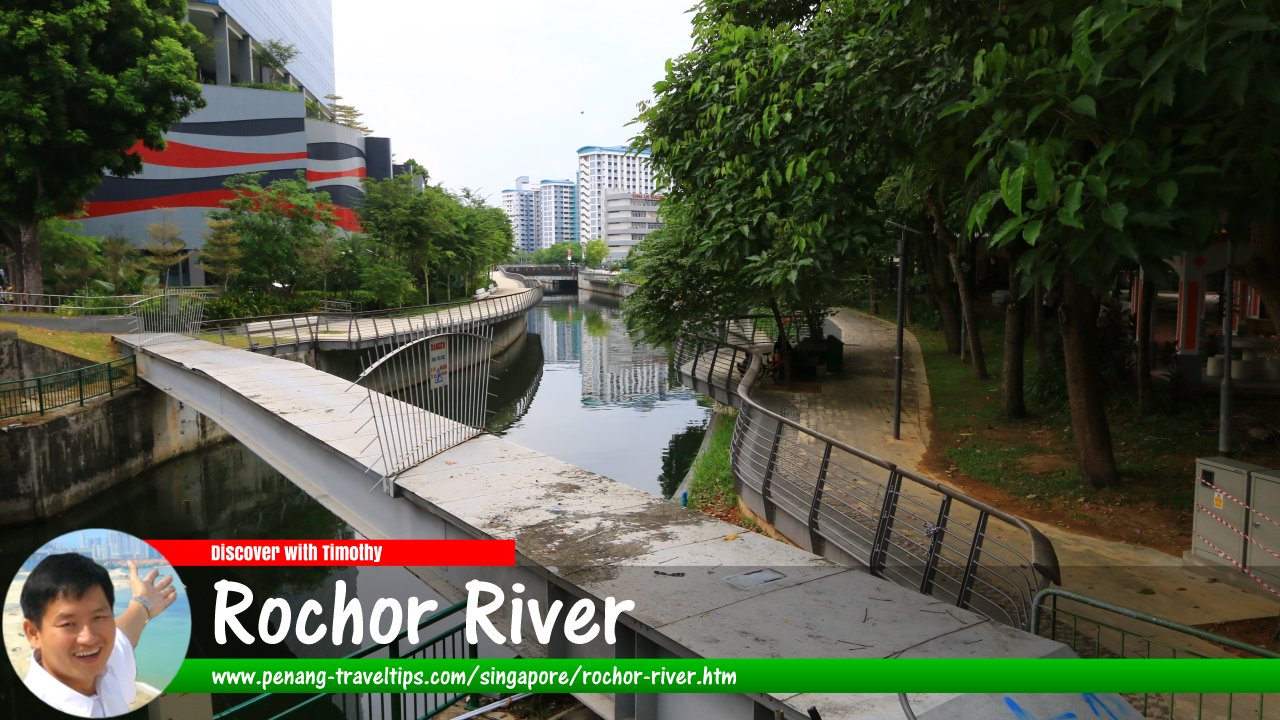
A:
(839, 501)
(68, 305)
(355, 329)
(70, 387)
(1095, 629)
(441, 386)
(448, 643)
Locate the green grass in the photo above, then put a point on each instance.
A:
(711, 487)
(96, 347)
(1035, 458)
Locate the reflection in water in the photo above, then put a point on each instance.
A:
(604, 402)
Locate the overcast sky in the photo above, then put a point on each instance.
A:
(483, 92)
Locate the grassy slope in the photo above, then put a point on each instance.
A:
(96, 347)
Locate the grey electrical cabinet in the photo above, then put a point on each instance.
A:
(1264, 501)
(1220, 521)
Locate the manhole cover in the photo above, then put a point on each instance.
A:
(754, 578)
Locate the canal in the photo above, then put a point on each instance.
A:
(576, 387)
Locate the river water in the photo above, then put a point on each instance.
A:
(577, 387)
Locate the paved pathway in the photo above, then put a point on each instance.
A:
(857, 408)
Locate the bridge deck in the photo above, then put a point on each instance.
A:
(588, 536)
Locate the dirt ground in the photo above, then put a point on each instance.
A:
(1133, 512)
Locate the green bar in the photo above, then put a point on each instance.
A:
(753, 675)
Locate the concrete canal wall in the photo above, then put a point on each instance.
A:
(20, 359)
(604, 283)
(70, 455)
(65, 457)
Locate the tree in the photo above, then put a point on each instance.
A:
(123, 266)
(274, 54)
(1097, 119)
(80, 85)
(278, 225)
(75, 260)
(594, 252)
(408, 222)
(557, 254)
(347, 115)
(165, 245)
(760, 167)
(221, 253)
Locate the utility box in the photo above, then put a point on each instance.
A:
(1264, 501)
(1216, 478)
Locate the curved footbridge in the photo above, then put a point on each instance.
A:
(702, 588)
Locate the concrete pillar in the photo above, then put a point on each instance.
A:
(222, 49)
(245, 52)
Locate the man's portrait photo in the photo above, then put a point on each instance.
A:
(89, 604)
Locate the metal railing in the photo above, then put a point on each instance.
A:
(829, 496)
(440, 383)
(70, 387)
(67, 305)
(355, 329)
(1119, 632)
(448, 643)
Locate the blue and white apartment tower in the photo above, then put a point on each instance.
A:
(256, 119)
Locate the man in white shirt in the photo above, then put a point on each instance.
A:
(80, 664)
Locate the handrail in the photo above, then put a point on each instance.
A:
(892, 525)
(294, 329)
(1038, 607)
(68, 387)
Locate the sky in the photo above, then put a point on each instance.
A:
(481, 93)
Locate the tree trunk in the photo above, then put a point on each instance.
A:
(1037, 323)
(30, 268)
(1078, 318)
(962, 282)
(934, 260)
(1262, 270)
(1012, 401)
(1146, 308)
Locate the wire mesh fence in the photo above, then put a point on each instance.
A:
(1096, 629)
(838, 500)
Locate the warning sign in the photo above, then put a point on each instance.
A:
(1217, 500)
(439, 364)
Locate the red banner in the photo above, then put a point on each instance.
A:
(251, 553)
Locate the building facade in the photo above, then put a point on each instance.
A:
(557, 212)
(521, 206)
(630, 217)
(602, 170)
(244, 130)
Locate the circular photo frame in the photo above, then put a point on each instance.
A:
(96, 623)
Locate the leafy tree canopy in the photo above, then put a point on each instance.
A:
(80, 84)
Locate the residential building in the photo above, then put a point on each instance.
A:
(244, 130)
(630, 217)
(557, 212)
(522, 208)
(602, 170)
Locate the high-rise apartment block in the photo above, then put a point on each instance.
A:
(521, 206)
(605, 170)
(541, 215)
(557, 212)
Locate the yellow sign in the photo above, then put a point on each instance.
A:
(1217, 500)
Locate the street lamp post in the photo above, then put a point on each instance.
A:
(902, 312)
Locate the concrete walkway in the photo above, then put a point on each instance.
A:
(856, 407)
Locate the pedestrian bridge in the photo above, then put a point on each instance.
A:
(702, 588)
